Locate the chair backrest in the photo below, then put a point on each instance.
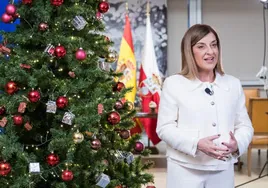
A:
(258, 113)
(251, 92)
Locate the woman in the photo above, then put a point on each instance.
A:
(202, 116)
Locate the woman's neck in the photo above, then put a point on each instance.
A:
(206, 76)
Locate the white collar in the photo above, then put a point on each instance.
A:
(219, 82)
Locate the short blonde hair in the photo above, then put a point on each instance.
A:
(190, 38)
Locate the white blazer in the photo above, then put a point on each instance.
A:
(187, 113)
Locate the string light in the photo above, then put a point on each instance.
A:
(42, 142)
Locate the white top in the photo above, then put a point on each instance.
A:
(187, 113)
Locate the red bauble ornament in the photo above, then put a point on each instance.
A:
(6, 18)
(2, 110)
(121, 186)
(42, 26)
(103, 7)
(107, 39)
(95, 144)
(15, 16)
(60, 51)
(67, 175)
(18, 120)
(27, 2)
(125, 134)
(150, 186)
(139, 146)
(56, 2)
(11, 9)
(114, 118)
(11, 87)
(118, 105)
(53, 159)
(34, 96)
(118, 86)
(61, 102)
(99, 15)
(80, 54)
(5, 168)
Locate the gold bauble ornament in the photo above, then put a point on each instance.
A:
(112, 57)
(129, 105)
(78, 137)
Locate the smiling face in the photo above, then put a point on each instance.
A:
(206, 53)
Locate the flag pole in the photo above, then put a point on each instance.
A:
(148, 8)
(126, 7)
(153, 149)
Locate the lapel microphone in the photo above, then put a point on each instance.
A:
(209, 91)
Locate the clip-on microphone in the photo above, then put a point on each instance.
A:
(208, 91)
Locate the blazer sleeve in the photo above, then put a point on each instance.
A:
(167, 128)
(243, 130)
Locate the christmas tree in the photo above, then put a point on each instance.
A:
(63, 118)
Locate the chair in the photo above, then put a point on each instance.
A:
(258, 113)
(249, 93)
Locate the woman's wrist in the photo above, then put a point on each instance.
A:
(236, 153)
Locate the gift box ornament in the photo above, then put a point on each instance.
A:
(100, 108)
(4, 50)
(79, 22)
(28, 126)
(103, 180)
(34, 168)
(68, 118)
(51, 107)
(3, 122)
(119, 156)
(22, 107)
(50, 49)
(104, 66)
(25, 66)
(2, 131)
(129, 158)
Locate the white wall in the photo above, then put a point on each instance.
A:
(177, 25)
(240, 27)
(239, 24)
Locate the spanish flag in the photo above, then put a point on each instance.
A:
(127, 62)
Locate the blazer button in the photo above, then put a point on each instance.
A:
(212, 103)
(213, 124)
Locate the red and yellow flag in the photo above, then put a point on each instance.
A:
(127, 62)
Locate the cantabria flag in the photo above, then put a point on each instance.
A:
(149, 83)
